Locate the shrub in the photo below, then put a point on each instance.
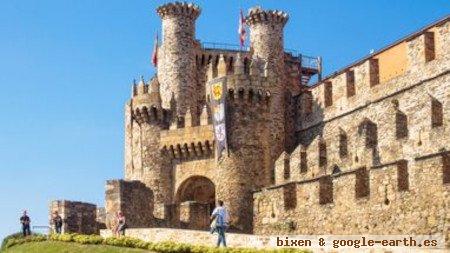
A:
(88, 239)
(62, 237)
(8, 238)
(127, 242)
(162, 247)
(15, 239)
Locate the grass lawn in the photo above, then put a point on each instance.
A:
(68, 247)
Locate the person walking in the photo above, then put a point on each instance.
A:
(25, 221)
(221, 218)
(121, 224)
(57, 222)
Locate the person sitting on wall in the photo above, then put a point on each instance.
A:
(221, 218)
(25, 221)
(121, 224)
(57, 222)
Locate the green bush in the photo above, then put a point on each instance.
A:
(126, 242)
(88, 239)
(63, 237)
(15, 239)
(8, 238)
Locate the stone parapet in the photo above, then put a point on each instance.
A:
(184, 9)
(257, 15)
(384, 199)
(188, 142)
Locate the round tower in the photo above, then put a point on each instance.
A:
(267, 43)
(243, 170)
(176, 56)
(266, 35)
(144, 160)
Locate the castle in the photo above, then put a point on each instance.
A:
(365, 150)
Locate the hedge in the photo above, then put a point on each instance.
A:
(129, 242)
(17, 239)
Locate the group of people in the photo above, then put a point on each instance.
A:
(57, 223)
(219, 223)
(25, 221)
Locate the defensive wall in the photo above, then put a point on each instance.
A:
(374, 147)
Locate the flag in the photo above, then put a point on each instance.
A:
(218, 95)
(241, 31)
(155, 51)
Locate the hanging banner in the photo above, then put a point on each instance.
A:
(218, 99)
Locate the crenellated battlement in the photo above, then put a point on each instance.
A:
(151, 115)
(146, 103)
(355, 200)
(258, 15)
(146, 94)
(184, 9)
(248, 80)
(188, 142)
(379, 74)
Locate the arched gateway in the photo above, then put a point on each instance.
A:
(195, 200)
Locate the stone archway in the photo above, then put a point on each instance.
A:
(196, 188)
(195, 199)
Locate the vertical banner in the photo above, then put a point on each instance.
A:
(218, 99)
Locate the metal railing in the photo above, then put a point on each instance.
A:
(42, 229)
(224, 46)
(310, 62)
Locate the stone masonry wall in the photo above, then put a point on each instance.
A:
(134, 199)
(78, 217)
(383, 206)
(372, 156)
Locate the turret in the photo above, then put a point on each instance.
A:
(176, 56)
(266, 39)
(266, 34)
(144, 161)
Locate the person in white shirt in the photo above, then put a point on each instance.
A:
(222, 218)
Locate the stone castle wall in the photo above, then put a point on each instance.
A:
(134, 199)
(78, 217)
(393, 124)
(389, 199)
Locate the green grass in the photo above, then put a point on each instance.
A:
(68, 247)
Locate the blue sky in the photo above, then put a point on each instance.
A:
(66, 69)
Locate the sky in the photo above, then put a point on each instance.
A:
(66, 69)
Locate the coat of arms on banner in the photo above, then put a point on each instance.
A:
(218, 106)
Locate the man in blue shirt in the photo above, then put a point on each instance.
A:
(222, 218)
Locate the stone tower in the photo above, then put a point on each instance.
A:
(267, 44)
(255, 111)
(176, 57)
(144, 160)
(240, 174)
